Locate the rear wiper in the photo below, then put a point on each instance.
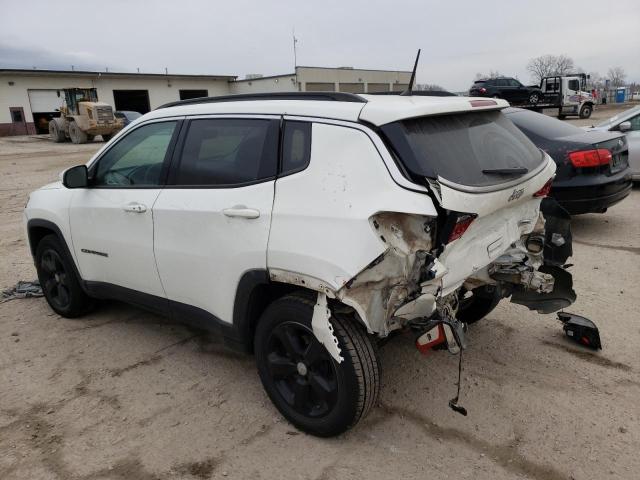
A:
(506, 171)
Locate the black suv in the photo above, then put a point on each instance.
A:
(506, 87)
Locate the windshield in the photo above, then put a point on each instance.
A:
(473, 149)
(619, 117)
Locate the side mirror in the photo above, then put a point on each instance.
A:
(624, 126)
(76, 177)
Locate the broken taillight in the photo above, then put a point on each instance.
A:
(590, 158)
(545, 190)
(462, 224)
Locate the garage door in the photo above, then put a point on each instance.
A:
(320, 87)
(132, 100)
(45, 100)
(377, 87)
(44, 104)
(399, 87)
(352, 87)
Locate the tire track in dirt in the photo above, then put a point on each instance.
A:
(507, 455)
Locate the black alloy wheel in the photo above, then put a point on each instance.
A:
(58, 278)
(302, 370)
(317, 393)
(55, 284)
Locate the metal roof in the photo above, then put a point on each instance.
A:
(87, 73)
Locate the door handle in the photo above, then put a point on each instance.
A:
(241, 211)
(135, 207)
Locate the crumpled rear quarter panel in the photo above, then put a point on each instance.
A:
(321, 216)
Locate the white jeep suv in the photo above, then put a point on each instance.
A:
(305, 227)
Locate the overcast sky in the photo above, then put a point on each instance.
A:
(459, 38)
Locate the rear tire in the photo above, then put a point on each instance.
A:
(77, 135)
(585, 111)
(55, 132)
(60, 284)
(310, 389)
(480, 304)
(534, 98)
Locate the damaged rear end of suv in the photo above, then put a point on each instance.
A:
(497, 234)
(461, 221)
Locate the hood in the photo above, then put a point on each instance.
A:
(52, 186)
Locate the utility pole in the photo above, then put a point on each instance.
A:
(295, 57)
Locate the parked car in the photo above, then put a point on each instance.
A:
(304, 227)
(127, 116)
(627, 122)
(592, 167)
(506, 87)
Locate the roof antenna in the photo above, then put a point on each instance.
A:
(407, 92)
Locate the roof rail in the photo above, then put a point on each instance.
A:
(325, 96)
(420, 93)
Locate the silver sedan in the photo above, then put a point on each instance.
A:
(629, 123)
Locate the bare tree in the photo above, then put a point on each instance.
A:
(430, 87)
(547, 65)
(491, 74)
(596, 80)
(616, 76)
(563, 65)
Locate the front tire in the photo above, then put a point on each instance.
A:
(55, 132)
(77, 135)
(306, 384)
(60, 284)
(534, 98)
(585, 111)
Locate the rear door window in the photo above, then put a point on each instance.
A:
(227, 152)
(296, 147)
(458, 147)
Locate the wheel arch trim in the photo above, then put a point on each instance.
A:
(39, 223)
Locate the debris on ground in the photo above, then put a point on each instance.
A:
(22, 289)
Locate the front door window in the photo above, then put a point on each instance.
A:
(137, 159)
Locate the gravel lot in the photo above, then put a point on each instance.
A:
(124, 394)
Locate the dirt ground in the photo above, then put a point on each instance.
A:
(124, 394)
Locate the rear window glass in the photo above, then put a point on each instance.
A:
(542, 125)
(459, 147)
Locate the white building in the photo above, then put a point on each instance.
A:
(30, 98)
(321, 79)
